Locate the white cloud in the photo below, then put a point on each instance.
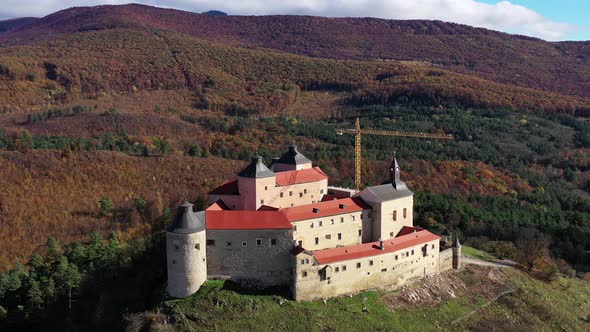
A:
(503, 15)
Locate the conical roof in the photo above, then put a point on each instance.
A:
(186, 220)
(293, 157)
(396, 181)
(256, 169)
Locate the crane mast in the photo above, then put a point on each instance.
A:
(357, 143)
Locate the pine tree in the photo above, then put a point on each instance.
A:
(34, 295)
(105, 206)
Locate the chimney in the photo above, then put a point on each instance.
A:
(381, 245)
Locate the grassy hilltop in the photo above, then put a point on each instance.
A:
(476, 298)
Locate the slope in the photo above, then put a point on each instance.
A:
(562, 67)
(100, 63)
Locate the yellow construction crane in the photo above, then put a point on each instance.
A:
(357, 143)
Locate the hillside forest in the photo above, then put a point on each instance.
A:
(104, 130)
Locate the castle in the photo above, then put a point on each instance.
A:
(283, 225)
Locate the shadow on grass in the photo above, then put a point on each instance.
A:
(241, 289)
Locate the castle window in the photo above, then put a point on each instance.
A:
(396, 257)
(292, 204)
(302, 261)
(210, 242)
(300, 243)
(407, 253)
(337, 269)
(339, 236)
(391, 234)
(265, 187)
(384, 270)
(370, 263)
(198, 246)
(273, 242)
(317, 240)
(343, 267)
(295, 228)
(360, 232)
(228, 244)
(342, 220)
(305, 191)
(258, 242)
(176, 247)
(244, 243)
(311, 225)
(300, 194)
(261, 201)
(281, 195)
(332, 221)
(405, 213)
(307, 261)
(395, 215)
(290, 193)
(412, 251)
(358, 265)
(353, 218)
(321, 191)
(328, 236)
(320, 223)
(433, 246)
(304, 274)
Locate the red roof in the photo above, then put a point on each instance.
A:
(324, 209)
(328, 256)
(301, 176)
(227, 188)
(408, 230)
(218, 206)
(246, 220)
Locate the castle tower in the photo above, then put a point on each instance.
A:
(456, 254)
(254, 183)
(185, 252)
(291, 160)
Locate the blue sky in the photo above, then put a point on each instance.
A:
(574, 12)
(546, 19)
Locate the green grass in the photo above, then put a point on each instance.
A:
(531, 305)
(475, 253)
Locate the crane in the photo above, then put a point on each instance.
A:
(357, 143)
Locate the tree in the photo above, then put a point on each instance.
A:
(140, 204)
(105, 206)
(35, 295)
(532, 246)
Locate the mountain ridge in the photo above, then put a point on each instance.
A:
(562, 67)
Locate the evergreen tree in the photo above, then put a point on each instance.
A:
(34, 295)
(105, 206)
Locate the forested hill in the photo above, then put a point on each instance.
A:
(562, 67)
(13, 24)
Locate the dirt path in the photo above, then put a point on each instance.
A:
(477, 261)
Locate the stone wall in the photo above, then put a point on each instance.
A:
(259, 263)
(326, 230)
(186, 262)
(385, 226)
(386, 271)
(257, 192)
(446, 260)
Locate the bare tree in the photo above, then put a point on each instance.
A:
(532, 246)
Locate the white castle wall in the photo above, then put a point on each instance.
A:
(187, 263)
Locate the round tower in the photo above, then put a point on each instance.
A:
(185, 252)
(456, 254)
